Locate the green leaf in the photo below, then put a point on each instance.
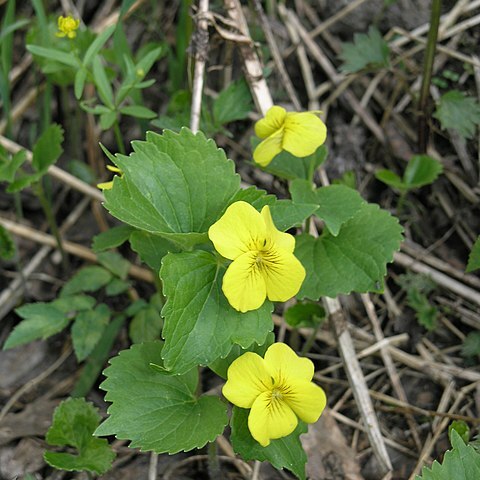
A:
(74, 422)
(474, 257)
(461, 428)
(47, 148)
(233, 103)
(74, 303)
(421, 170)
(97, 45)
(286, 452)
(146, 325)
(9, 168)
(112, 238)
(79, 83)
(7, 246)
(52, 54)
(390, 178)
(87, 329)
(157, 411)
(138, 111)
(104, 89)
(287, 214)
(336, 203)
(471, 345)
(151, 248)
(286, 166)
(355, 260)
(460, 463)
(41, 320)
(367, 50)
(115, 263)
(459, 112)
(107, 120)
(116, 287)
(200, 325)
(174, 185)
(87, 279)
(305, 314)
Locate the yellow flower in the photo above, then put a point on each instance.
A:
(299, 133)
(277, 389)
(109, 185)
(263, 261)
(67, 26)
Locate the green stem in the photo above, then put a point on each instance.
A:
(401, 202)
(213, 463)
(310, 340)
(427, 75)
(118, 137)
(47, 208)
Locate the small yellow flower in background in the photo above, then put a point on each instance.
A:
(67, 26)
(109, 185)
(277, 389)
(263, 261)
(299, 133)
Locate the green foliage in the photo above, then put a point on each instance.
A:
(151, 248)
(112, 238)
(286, 166)
(354, 260)
(417, 288)
(367, 50)
(74, 422)
(285, 452)
(9, 166)
(46, 151)
(146, 325)
(471, 345)
(233, 103)
(115, 263)
(7, 246)
(462, 462)
(305, 314)
(336, 203)
(87, 279)
(474, 257)
(88, 328)
(461, 428)
(459, 112)
(421, 170)
(200, 325)
(201, 181)
(168, 416)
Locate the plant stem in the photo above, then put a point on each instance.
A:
(118, 137)
(427, 75)
(47, 208)
(213, 463)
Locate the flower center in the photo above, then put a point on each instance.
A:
(277, 394)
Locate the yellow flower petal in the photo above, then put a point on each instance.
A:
(243, 283)
(268, 149)
(304, 133)
(285, 366)
(105, 185)
(282, 240)
(238, 231)
(283, 274)
(306, 399)
(247, 379)
(112, 168)
(270, 418)
(272, 122)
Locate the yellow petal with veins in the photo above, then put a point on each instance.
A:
(243, 283)
(239, 230)
(282, 240)
(270, 418)
(269, 148)
(306, 399)
(247, 379)
(284, 365)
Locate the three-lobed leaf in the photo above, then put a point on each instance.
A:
(155, 410)
(87, 279)
(367, 50)
(459, 112)
(200, 325)
(74, 422)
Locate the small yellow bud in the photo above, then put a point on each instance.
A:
(140, 72)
